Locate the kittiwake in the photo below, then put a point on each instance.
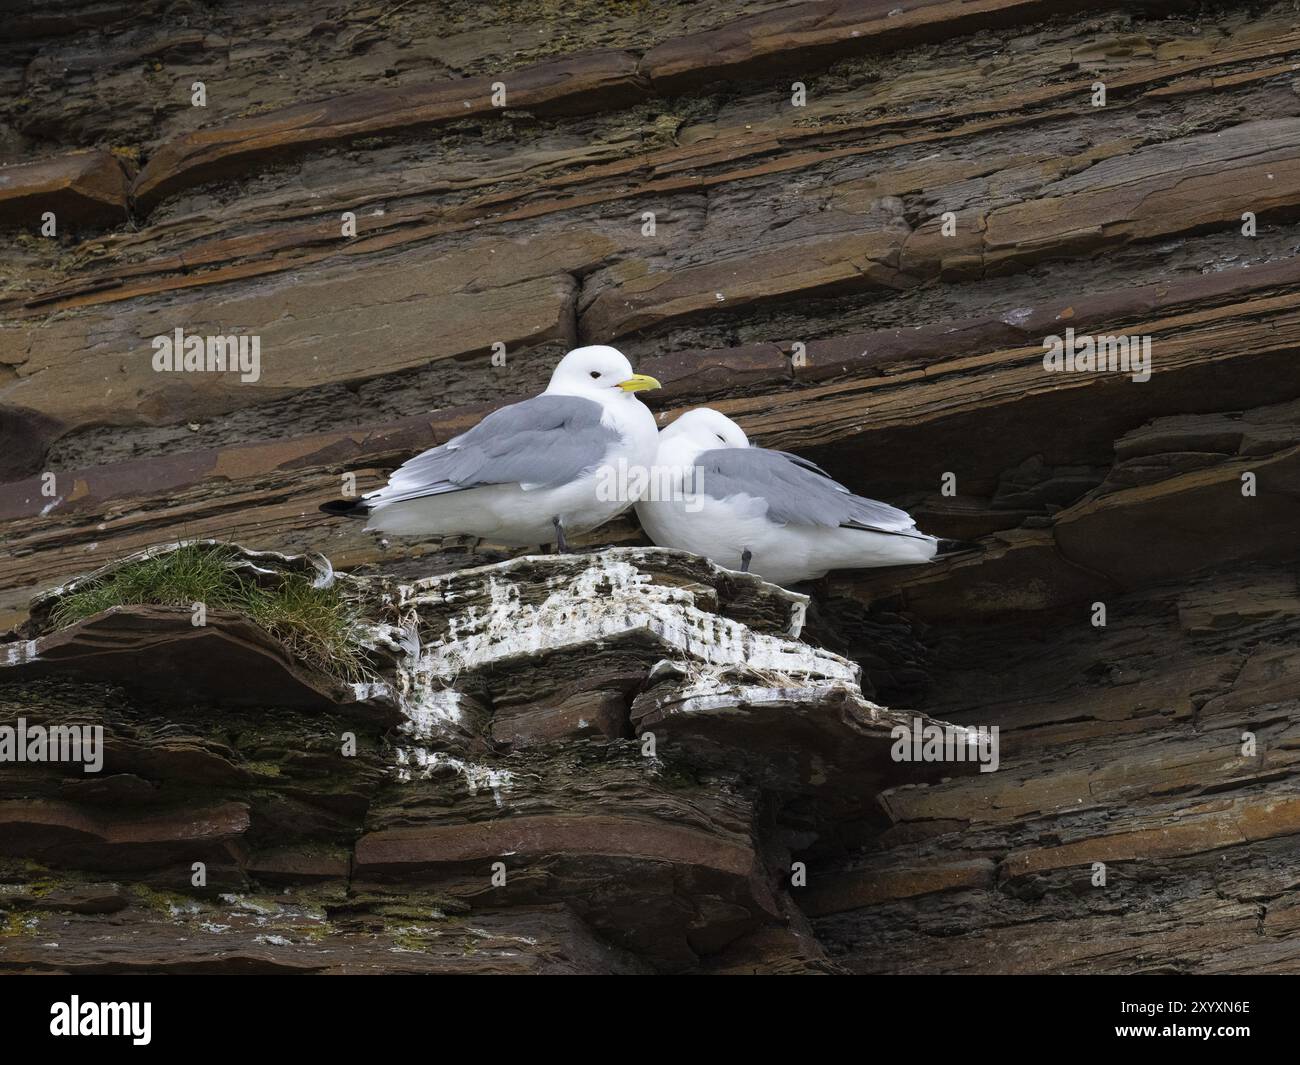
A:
(768, 512)
(530, 472)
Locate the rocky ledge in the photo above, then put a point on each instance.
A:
(579, 763)
(866, 273)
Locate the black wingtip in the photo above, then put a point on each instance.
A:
(956, 547)
(345, 508)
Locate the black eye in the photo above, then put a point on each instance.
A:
(595, 373)
(722, 438)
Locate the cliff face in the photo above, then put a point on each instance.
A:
(612, 750)
(867, 278)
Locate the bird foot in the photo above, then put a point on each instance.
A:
(561, 545)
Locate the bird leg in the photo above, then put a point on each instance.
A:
(560, 544)
(746, 557)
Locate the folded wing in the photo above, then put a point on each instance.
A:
(539, 443)
(796, 491)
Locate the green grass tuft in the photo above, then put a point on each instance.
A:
(191, 574)
(317, 624)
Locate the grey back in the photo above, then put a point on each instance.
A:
(542, 442)
(797, 491)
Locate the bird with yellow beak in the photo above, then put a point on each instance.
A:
(530, 472)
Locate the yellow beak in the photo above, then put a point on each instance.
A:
(639, 382)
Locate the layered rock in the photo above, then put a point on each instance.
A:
(600, 744)
(868, 279)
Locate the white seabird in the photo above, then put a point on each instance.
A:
(768, 512)
(530, 472)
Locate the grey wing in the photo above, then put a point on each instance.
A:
(808, 464)
(539, 443)
(796, 491)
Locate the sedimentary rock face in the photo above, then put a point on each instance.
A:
(1027, 274)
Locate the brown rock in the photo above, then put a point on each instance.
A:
(226, 661)
(571, 85)
(81, 189)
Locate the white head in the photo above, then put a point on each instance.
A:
(597, 372)
(705, 429)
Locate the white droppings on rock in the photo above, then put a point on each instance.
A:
(705, 696)
(428, 711)
(364, 691)
(415, 762)
(20, 652)
(449, 625)
(240, 902)
(188, 909)
(275, 941)
(610, 597)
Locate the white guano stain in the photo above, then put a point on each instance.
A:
(465, 621)
(417, 762)
(609, 598)
(20, 652)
